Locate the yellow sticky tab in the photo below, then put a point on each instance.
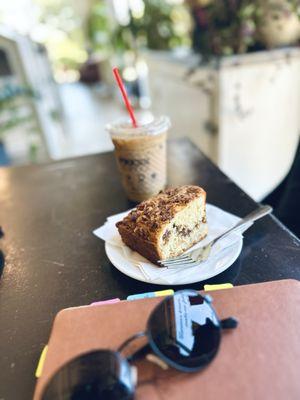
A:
(208, 288)
(168, 292)
(39, 370)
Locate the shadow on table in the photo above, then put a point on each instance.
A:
(1, 263)
(134, 287)
(1, 253)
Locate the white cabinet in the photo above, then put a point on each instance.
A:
(243, 111)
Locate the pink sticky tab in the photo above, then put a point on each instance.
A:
(100, 303)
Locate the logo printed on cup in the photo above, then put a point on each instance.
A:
(133, 163)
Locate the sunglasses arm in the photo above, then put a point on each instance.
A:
(129, 340)
(146, 349)
(142, 352)
(139, 353)
(229, 323)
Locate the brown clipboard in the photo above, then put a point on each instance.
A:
(258, 360)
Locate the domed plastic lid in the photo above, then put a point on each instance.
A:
(124, 128)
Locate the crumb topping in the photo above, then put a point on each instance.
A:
(155, 212)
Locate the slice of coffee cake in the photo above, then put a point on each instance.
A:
(166, 225)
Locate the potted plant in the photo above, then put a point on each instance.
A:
(227, 27)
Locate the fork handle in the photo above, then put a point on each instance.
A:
(253, 216)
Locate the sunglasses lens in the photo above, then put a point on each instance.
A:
(98, 375)
(185, 331)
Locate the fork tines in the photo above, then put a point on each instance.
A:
(182, 261)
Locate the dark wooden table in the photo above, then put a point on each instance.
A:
(53, 261)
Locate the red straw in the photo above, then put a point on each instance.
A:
(125, 96)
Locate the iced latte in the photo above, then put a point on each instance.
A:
(141, 156)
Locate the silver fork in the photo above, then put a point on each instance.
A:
(197, 256)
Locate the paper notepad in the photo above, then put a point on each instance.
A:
(258, 360)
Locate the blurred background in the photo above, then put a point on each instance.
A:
(226, 72)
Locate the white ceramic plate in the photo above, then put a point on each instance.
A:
(218, 221)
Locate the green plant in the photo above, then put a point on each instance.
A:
(11, 99)
(62, 32)
(100, 28)
(158, 27)
(15, 112)
(295, 6)
(226, 27)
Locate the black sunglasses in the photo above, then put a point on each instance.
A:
(183, 331)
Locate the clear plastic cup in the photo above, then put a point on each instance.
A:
(141, 156)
